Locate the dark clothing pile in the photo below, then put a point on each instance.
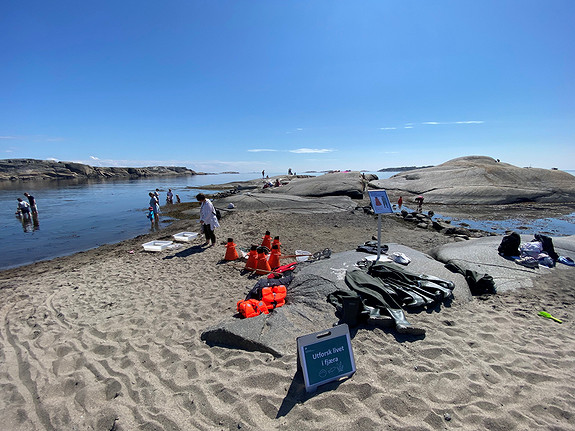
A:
(379, 292)
(539, 251)
(479, 284)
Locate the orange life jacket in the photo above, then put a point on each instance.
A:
(251, 307)
(272, 297)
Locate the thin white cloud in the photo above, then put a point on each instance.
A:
(53, 159)
(94, 158)
(408, 127)
(289, 132)
(38, 138)
(311, 151)
(387, 128)
(451, 122)
(261, 150)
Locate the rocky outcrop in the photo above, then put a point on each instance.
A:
(286, 203)
(32, 169)
(350, 184)
(482, 180)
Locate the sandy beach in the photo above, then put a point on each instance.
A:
(110, 340)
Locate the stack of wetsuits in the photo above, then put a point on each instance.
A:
(381, 290)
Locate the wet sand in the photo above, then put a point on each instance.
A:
(110, 340)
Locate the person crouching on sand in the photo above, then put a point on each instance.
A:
(208, 219)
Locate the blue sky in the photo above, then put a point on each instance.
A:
(247, 85)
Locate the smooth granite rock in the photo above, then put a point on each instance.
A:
(481, 255)
(287, 203)
(349, 184)
(482, 180)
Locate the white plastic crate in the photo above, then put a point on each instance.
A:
(157, 245)
(185, 236)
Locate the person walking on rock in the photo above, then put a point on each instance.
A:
(419, 201)
(208, 219)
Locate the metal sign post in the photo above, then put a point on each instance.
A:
(381, 205)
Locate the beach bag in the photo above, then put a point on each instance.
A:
(283, 270)
(218, 214)
(509, 246)
(547, 244)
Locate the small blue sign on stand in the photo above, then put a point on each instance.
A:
(325, 356)
(381, 205)
(380, 202)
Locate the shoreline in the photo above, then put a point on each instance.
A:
(183, 217)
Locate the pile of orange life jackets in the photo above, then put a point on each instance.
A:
(271, 297)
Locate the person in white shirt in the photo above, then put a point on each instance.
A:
(23, 208)
(208, 219)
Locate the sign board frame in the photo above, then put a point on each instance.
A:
(325, 356)
(381, 205)
(380, 202)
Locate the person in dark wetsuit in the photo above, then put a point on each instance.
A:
(32, 201)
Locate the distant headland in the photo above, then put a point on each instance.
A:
(33, 169)
(404, 168)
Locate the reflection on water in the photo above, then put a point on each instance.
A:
(30, 223)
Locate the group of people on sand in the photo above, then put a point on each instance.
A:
(208, 216)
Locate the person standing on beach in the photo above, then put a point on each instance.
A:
(169, 197)
(155, 205)
(264, 173)
(208, 219)
(400, 202)
(32, 201)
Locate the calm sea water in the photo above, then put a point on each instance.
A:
(76, 216)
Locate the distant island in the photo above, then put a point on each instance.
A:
(404, 168)
(33, 169)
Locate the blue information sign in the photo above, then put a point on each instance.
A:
(326, 356)
(380, 202)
